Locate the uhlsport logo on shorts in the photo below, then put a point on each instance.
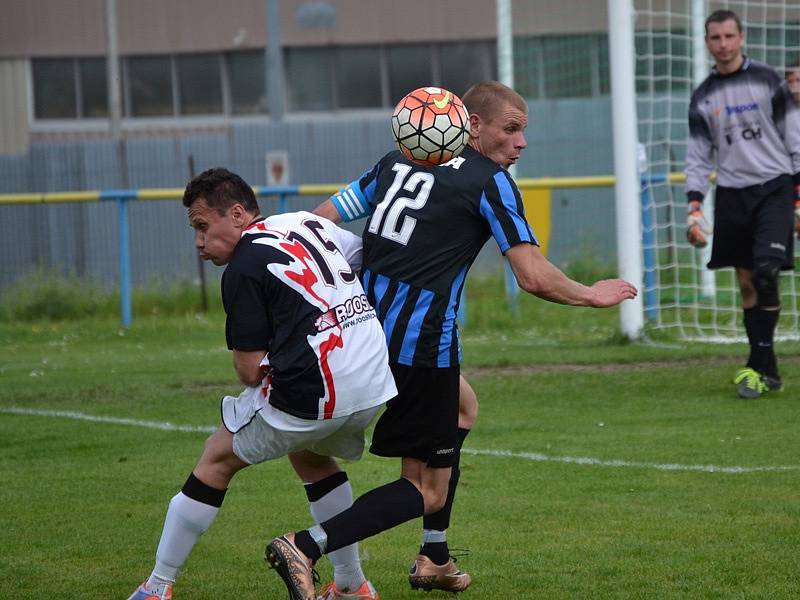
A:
(445, 451)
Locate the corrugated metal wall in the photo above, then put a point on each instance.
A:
(566, 138)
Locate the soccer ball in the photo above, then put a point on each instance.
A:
(430, 125)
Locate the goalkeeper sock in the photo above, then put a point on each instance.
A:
(749, 327)
(762, 351)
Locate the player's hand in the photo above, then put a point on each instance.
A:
(697, 230)
(610, 292)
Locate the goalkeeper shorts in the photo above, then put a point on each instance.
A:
(754, 222)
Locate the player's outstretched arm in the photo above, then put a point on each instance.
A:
(538, 276)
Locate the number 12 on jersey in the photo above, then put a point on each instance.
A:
(387, 212)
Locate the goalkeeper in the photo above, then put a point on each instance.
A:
(744, 115)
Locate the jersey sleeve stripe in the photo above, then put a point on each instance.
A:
(409, 346)
(494, 224)
(448, 327)
(509, 199)
(394, 310)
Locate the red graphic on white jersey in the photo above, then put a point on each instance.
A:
(334, 341)
(306, 278)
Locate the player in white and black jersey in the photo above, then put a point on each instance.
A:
(744, 120)
(426, 226)
(308, 346)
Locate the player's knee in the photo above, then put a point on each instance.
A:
(765, 282)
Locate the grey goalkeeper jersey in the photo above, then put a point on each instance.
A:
(750, 121)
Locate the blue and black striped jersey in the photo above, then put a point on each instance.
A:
(426, 227)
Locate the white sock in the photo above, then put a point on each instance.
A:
(347, 573)
(186, 521)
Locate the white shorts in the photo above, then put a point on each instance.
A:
(261, 432)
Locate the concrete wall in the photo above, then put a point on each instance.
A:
(31, 28)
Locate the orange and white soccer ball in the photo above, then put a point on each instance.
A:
(430, 125)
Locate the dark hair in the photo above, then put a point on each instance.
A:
(794, 67)
(486, 98)
(221, 189)
(720, 16)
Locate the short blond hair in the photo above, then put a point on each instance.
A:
(487, 98)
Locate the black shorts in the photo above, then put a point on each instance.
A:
(754, 222)
(422, 420)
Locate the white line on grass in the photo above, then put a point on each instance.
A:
(585, 460)
(65, 414)
(532, 456)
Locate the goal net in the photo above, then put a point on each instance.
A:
(680, 294)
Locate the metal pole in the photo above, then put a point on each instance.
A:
(125, 289)
(648, 243)
(626, 189)
(505, 71)
(112, 71)
(274, 62)
(708, 283)
(115, 129)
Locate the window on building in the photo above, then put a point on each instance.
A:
(246, 76)
(309, 78)
(567, 65)
(603, 64)
(358, 77)
(464, 64)
(528, 75)
(149, 84)
(200, 84)
(410, 67)
(94, 88)
(54, 85)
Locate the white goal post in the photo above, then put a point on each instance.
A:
(668, 60)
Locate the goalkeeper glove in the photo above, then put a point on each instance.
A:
(697, 231)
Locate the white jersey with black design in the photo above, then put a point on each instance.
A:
(746, 120)
(292, 290)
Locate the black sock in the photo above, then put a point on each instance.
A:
(749, 327)
(762, 351)
(377, 510)
(307, 545)
(440, 520)
(438, 552)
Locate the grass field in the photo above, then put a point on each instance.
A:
(597, 469)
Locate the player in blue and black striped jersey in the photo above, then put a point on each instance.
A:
(425, 227)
